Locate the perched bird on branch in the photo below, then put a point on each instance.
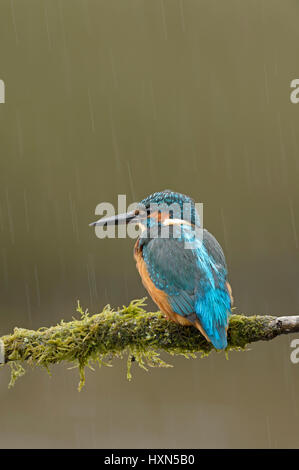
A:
(181, 265)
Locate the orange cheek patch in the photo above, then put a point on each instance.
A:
(154, 215)
(159, 216)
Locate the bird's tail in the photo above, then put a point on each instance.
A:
(213, 310)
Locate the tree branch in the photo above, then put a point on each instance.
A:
(129, 330)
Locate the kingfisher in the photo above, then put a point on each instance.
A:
(181, 264)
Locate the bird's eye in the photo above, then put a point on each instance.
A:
(140, 213)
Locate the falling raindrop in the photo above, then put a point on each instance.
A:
(113, 69)
(74, 217)
(163, 19)
(5, 267)
(10, 219)
(37, 288)
(91, 276)
(47, 25)
(28, 301)
(91, 112)
(131, 182)
(114, 140)
(20, 135)
(182, 15)
(293, 222)
(14, 20)
(26, 210)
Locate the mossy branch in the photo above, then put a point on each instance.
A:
(131, 331)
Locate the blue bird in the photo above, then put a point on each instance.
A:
(181, 265)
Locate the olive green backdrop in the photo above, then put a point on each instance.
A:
(108, 97)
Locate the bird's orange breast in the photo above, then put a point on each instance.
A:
(158, 296)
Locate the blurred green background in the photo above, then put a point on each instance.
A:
(108, 97)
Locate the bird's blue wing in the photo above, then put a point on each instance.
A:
(194, 279)
(172, 270)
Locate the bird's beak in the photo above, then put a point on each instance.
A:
(116, 219)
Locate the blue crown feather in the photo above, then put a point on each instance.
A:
(168, 197)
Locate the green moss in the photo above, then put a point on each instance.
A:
(130, 331)
(243, 330)
(16, 371)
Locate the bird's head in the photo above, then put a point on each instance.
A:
(159, 209)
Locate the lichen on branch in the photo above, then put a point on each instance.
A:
(130, 331)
